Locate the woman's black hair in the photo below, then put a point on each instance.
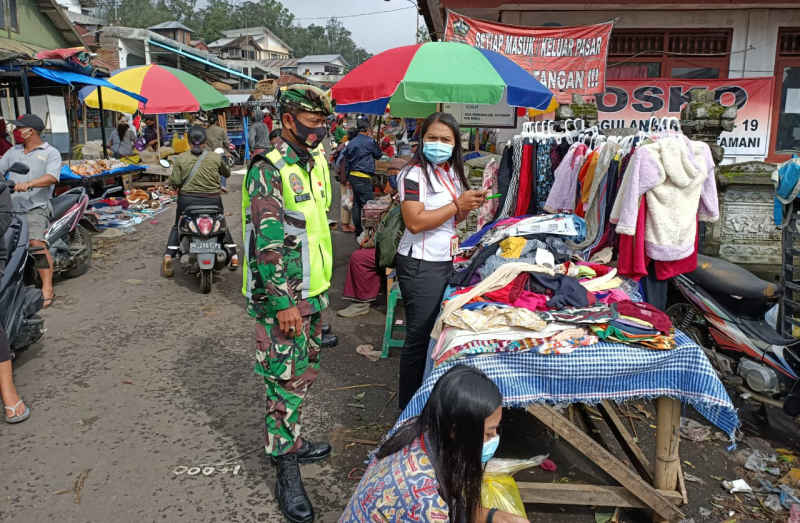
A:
(351, 133)
(122, 128)
(452, 423)
(456, 160)
(274, 134)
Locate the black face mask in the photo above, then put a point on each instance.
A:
(309, 136)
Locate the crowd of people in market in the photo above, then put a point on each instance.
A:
(536, 277)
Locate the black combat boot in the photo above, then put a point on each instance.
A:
(289, 490)
(310, 452)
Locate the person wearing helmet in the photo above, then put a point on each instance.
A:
(197, 174)
(288, 265)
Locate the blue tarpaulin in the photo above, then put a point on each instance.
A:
(69, 78)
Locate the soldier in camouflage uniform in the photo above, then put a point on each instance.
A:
(288, 264)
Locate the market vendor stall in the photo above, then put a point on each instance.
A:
(559, 298)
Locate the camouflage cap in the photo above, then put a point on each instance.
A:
(305, 98)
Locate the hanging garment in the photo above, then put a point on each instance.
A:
(504, 175)
(557, 153)
(544, 175)
(488, 210)
(677, 176)
(510, 203)
(565, 184)
(523, 195)
(632, 259)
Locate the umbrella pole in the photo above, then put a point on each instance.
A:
(102, 121)
(158, 139)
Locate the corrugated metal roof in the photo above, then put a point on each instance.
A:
(221, 42)
(170, 25)
(320, 59)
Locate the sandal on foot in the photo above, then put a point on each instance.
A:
(49, 301)
(22, 417)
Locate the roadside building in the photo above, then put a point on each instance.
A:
(713, 39)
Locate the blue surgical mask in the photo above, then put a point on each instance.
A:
(489, 448)
(437, 152)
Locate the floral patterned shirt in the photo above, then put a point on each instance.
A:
(400, 487)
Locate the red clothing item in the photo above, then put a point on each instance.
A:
(644, 311)
(268, 122)
(669, 269)
(632, 260)
(525, 181)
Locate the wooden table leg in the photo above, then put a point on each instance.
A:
(668, 421)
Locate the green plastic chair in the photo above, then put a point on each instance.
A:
(393, 295)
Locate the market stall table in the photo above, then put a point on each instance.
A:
(599, 374)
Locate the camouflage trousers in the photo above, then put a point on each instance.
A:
(289, 367)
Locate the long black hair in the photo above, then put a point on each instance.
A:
(452, 423)
(456, 161)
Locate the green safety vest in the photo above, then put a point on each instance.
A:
(306, 199)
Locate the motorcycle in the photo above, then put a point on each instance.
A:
(726, 314)
(20, 303)
(232, 157)
(68, 237)
(202, 249)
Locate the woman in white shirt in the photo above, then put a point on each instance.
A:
(435, 196)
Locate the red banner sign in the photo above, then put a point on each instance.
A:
(566, 60)
(631, 103)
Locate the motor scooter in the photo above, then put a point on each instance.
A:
(725, 312)
(20, 302)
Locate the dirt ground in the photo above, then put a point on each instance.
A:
(142, 385)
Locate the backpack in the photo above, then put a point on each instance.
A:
(387, 237)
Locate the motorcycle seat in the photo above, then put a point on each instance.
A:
(63, 202)
(734, 286)
(202, 209)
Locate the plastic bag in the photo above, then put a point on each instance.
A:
(501, 492)
(180, 142)
(506, 466)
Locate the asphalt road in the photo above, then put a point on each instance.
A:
(142, 385)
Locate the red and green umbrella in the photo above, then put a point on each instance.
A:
(413, 79)
(167, 90)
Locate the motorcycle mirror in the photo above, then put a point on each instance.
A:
(219, 150)
(164, 162)
(19, 168)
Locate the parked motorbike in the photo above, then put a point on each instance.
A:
(19, 303)
(725, 313)
(202, 249)
(68, 237)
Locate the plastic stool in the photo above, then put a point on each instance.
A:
(392, 296)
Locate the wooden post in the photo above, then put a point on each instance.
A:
(668, 421)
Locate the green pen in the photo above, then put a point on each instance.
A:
(493, 196)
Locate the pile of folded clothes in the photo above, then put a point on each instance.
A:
(521, 288)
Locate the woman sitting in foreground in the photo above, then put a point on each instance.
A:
(431, 469)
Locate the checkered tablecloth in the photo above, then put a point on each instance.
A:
(605, 371)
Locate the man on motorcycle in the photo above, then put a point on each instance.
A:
(288, 260)
(197, 174)
(33, 191)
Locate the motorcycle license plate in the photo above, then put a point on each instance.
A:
(203, 246)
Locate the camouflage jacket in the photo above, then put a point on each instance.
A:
(273, 260)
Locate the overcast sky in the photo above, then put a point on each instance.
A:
(376, 32)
